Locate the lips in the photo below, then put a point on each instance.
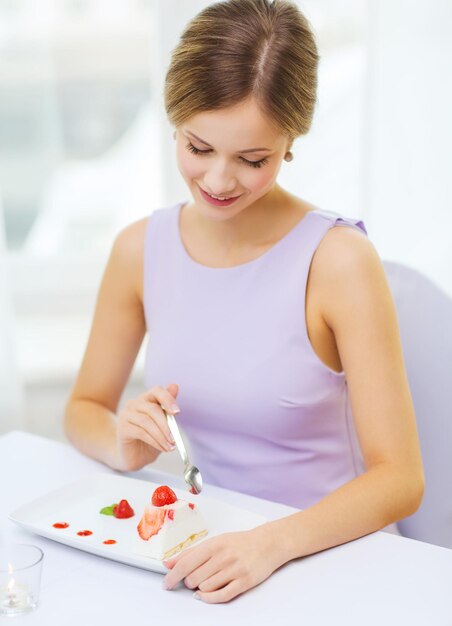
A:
(215, 201)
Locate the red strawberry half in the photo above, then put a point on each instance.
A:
(163, 495)
(123, 510)
(151, 522)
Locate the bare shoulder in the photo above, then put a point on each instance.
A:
(349, 247)
(127, 255)
(130, 240)
(348, 273)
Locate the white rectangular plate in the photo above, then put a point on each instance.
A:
(79, 504)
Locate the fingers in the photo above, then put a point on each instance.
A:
(143, 417)
(148, 425)
(187, 564)
(173, 388)
(139, 433)
(163, 397)
(207, 577)
(214, 582)
(142, 430)
(146, 413)
(220, 568)
(225, 594)
(154, 411)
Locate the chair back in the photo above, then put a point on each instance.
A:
(425, 320)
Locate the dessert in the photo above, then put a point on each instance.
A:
(168, 525)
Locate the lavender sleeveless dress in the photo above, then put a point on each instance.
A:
(262, 413)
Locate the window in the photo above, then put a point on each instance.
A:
(79, 158)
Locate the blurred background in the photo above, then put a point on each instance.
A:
(85, 149)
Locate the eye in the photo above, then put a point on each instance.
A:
(192, 148)
(199, 152)
(259, 163)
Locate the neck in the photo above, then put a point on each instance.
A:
(252, 226)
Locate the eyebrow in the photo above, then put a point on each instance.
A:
(239, 151)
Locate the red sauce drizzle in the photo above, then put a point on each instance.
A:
(191, 505)
(84, 533)
(61, 525)
(110, 542)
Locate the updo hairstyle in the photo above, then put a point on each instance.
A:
(237, 49)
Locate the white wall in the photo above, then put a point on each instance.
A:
(409, 132)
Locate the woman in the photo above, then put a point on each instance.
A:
(273, 318)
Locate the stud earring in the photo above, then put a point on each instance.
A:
(288, 156)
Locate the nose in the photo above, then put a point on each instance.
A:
(219, 179)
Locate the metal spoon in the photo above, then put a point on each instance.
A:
(192, 475)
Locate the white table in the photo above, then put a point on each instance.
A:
(379, 579)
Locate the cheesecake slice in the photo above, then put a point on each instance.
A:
(168, 525)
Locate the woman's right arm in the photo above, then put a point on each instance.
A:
(139, 433)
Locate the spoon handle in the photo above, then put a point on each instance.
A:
(174, 428)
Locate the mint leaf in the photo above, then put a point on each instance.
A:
(108, 510)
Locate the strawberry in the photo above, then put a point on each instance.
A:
(151, 522)
(123, 510)
(163, 495)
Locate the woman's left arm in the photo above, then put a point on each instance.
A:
(357, 306)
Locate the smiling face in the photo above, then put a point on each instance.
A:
(233, 153)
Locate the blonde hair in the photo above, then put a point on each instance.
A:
(236, 49)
